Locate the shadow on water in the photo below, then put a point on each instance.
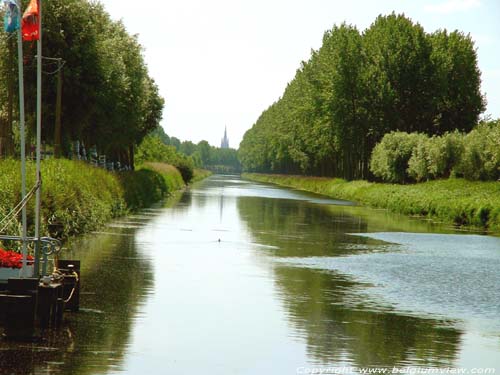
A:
(116, 279)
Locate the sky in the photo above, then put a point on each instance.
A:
(221, 63)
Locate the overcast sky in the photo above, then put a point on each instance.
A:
(222, 62)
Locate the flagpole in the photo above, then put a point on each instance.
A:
(38, 140)
(23, 136)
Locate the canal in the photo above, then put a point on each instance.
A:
(237, 277)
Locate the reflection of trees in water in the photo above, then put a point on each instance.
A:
(300, 228)
(115, 281)
(326, 308)
(338, 325)
(186, 199)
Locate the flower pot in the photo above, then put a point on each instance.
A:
(7, 273)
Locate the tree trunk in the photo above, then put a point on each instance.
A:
(131, 156)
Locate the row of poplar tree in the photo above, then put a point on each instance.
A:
(359, 86)
(108, 97)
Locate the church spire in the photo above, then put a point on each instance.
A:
(225, 141)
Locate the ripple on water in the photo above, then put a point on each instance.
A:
(454, 276)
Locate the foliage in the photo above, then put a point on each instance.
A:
(171, 175)
(158, 146)
(480, 159)
(360, 86)
(200, 174)
(186, 167)
(401, 157)
(152, 149)
(390, 157)
(144, 187)
(72, 201)
(435, 157)
(454, 201)
(109, 99)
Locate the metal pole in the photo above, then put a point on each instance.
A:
(23, 136)
(38, 140)
(57, 128)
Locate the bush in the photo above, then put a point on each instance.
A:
(143, 187)
(78, 198)
(400, 157)
(435, 157)
(389, 160)
(153, 150)
(72, 201)
(171, 175)
(186, 167)
(481, 156)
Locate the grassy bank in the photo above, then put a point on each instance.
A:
(454, 201)
(78, 198)
(200, 174)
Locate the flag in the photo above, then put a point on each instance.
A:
(31, 22)
(11, 19)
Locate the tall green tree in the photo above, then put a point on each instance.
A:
(358, 87)
(459, 101)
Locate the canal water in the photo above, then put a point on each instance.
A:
(237, 277)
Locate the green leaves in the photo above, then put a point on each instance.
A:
(402, 157)
(109, 99)
(358, 87)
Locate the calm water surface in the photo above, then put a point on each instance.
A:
(244, 278)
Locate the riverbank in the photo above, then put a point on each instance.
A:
(454, 201)
(78, 198)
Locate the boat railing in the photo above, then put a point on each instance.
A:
(48, 246)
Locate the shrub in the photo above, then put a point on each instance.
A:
(389, 160)
(186, 167)
(78, 198)
(171, 175)
(419, 164)
(435, 157)
(481, 157)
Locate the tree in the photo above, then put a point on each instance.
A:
(109, 99)
(458, 79)
(358, 87)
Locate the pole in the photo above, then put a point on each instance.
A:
(38, 140)
(10, 100)
(57, 128)
(23, 136)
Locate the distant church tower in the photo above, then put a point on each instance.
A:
(225, 141)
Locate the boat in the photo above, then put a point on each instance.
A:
(35, 290)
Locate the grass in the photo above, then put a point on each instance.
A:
(200, 174)
(171, 175)
(78, 198)
(454, 201)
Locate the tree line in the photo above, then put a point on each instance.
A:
(359, 86)
(109, 100)
(186, 155)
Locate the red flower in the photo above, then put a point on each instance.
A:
(11, 259)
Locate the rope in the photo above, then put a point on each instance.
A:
(74, 288)
(11, 216)
(59, 276)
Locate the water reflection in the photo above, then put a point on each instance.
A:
(244, 278)
(338, 325)
(349, 317)
(116, 280)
